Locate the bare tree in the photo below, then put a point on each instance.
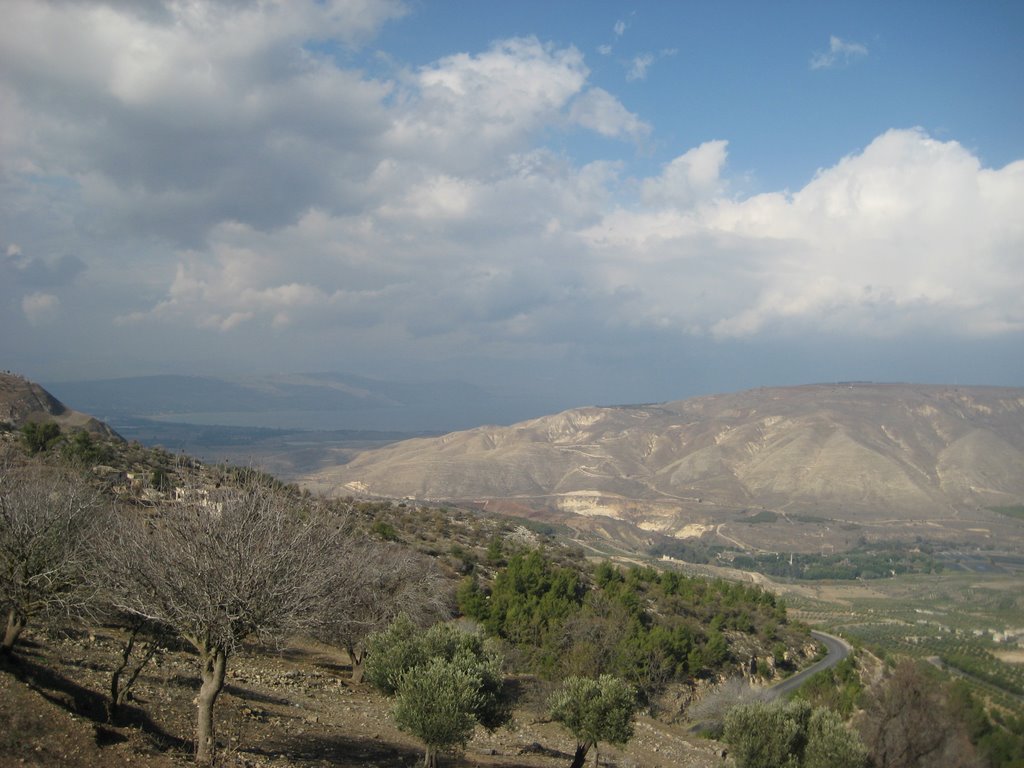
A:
(710, 712)
(49, 519)
(908, 724)
(222, 565)
(378, 582)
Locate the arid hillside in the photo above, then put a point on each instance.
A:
(833, 462)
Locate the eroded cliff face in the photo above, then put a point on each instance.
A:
(848, 452)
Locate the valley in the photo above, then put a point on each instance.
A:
(888, 576)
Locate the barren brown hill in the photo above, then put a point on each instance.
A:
(23, 401)
(835, 462)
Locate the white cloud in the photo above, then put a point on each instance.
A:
(693, 176)
(910, 234)
(599, 111)
(468, 110)
(252, 185)
(839, 52)
(620, 28)
(638, 65)
(40, 308)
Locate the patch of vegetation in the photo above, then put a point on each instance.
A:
(983, 666)
(878, 562)
(1016, 511)
(839, 688)
(791, 735)
(645, 626)
(39, 436)
(688, 551)
(954, 617)
(764, 516)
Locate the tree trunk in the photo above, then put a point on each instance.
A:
(119, 692)
(214, 661)
(430, 758)
(116, 695)
(597, 756)
(15, 623)
(357, 658)
(580, 758)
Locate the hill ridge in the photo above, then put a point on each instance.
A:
(855, 452)
(23, 401)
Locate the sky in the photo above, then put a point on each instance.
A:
(576, 202)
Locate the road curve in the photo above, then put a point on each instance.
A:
(838, 649)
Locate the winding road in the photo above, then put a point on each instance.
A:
(838, 649)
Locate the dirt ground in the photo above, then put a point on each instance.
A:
(294, 708)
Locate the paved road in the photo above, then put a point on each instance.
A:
(838, 649)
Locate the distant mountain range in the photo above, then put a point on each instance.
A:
(316, 401)
(821, 467)
(807, 467)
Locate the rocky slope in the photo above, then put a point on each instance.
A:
(23, 401)
(295, 708)
(909, 456)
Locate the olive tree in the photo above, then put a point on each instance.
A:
(767, 734)
(221, 565)
(49, 520)
(444, 681)
(830, 744)
(791, 735)
(594, 710)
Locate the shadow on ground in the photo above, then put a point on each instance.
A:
(88, 704)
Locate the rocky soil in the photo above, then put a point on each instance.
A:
(291, 708)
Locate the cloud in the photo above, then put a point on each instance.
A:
(909, 234)
(466, 110)
(620, 28)
(638, 66)
(38, 272)
(693, 176)
(177, 119)
(839, 52)
(599, 111)
(40, 308)
(256, 196)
